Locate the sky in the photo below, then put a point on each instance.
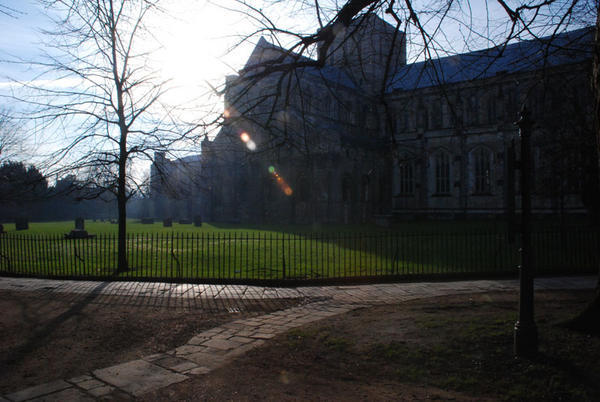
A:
(195, 40)
(193, 36)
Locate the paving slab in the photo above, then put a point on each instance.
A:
(90, 384)
(101, 391)
(222, 344)
(38, 390)
(69, 394)
(176, 364)
(138, 377)
(81, 378)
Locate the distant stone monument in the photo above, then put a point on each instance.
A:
(198, 220)
(185, 221)
(79, 232)
(147, 221)
(167, 222)
(21, 223)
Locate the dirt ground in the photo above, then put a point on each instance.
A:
(49, 336)
(443, 348)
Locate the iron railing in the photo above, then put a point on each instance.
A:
(282, 257)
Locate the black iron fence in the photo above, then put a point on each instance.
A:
(282, 257)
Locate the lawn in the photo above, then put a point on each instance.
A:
(287, 252)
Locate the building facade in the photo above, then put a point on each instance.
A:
(368, 136)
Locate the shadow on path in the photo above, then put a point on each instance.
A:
(38, 338)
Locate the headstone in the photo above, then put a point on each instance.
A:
(198, 220)
(147, 221)
(21, 224)
(184, 221)
(79, 224)
(167, 222)
(1, 228)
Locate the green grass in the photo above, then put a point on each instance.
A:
(234, 252)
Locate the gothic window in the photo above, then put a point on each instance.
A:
(346, 188)
(326, 106)
(491, 109)
(400, 119)
(472, 110)
(442, 173)
(306, 100)
(511, 105)
(422, 117)
(482, 170)
(364, 193)
(436, 114)
(406, 179)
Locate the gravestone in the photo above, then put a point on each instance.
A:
(79, 232)
(167, 222)
(21, 223)
(184, 221)
(147, 221)
(198, 220)
(1, 228)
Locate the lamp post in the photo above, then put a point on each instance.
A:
(526, 338)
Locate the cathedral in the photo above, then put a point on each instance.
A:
(370, 138)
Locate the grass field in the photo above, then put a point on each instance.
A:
(135, 227)
(240, 253)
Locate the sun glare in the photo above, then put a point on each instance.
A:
(193, 40)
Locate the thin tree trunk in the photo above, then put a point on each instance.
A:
(122, 207)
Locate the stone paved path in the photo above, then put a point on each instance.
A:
(215, 347)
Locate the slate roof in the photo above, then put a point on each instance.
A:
(566, 48)
(329, 73)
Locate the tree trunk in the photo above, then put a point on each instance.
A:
(122, 207)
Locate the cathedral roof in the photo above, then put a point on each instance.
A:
(265, 51)
(565, 48)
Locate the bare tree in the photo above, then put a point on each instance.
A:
(100, 96)
(11, 139)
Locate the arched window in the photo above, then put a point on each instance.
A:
(482, 163)
(422, 117)
(472, 110)
(436, 114)
(346, 188)
(406, 179)
(442, 173)
(491, 109)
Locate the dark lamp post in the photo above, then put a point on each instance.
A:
(526, 337)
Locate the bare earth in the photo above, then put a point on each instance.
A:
(354, 356)
(50, 336)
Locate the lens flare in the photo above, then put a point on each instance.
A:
(245, 137)
(287, 190)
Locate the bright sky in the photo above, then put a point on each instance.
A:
(196, 36)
